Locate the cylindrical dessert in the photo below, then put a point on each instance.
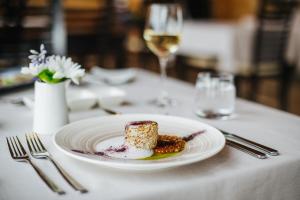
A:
(141, 134)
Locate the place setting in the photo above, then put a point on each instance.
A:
(182, 131)
(119, 140)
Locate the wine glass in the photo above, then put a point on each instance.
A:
(162, 36)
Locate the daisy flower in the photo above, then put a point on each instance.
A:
(63, 67)
(52, 69)
(33, 69)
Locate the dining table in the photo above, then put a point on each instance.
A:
(231, 43)
(229, 175)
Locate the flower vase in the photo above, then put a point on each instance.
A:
(50, 107)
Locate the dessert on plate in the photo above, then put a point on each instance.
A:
(142, 141)
(141, 137)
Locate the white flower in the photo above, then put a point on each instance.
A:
(38, 57)
(63, 67)
(33, 69)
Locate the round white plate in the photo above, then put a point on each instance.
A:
(82, 99)
(110, 96)
(79, 99)
(87, 134)
(114, 76)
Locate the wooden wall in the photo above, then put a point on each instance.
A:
(233, 9)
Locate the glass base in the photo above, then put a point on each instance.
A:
(213, 115)
(163, 102)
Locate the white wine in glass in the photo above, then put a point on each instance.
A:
(162, 36)
(161, 44)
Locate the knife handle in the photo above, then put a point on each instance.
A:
(109, 111)
(268, 150)
(246, 149)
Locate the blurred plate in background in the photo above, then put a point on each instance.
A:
(11, 79)
(114, 76)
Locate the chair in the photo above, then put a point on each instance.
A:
(25, 26)
(97, 30)
(270, 42)
(185, 64)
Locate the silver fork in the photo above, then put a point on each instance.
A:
(38, 150)
(18, 153)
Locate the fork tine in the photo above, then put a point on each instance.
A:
(32, 143)
(28, 143)
(21, 146)
(10, 148)
(17, 147)
(39, 141)
(13, 146)
(32, 136)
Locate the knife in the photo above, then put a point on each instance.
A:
(264, 148)
(246, 149)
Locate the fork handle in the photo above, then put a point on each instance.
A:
(77, 186)
(248, 150)
(46, 179)
(268, 150)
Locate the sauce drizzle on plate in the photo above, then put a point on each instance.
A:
(156, 156)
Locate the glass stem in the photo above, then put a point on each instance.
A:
(163, 76)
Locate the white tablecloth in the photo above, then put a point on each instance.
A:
(230, 175)
(232, 43)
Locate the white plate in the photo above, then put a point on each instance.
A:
(85, 135)
(82, 99)
(110, 96)
(114, 76)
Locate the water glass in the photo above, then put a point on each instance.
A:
(215, 95)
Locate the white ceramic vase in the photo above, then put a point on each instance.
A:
(50, 107)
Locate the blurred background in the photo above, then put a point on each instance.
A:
(256, 40)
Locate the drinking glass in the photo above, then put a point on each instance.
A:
(162, 35)
(215, 95)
